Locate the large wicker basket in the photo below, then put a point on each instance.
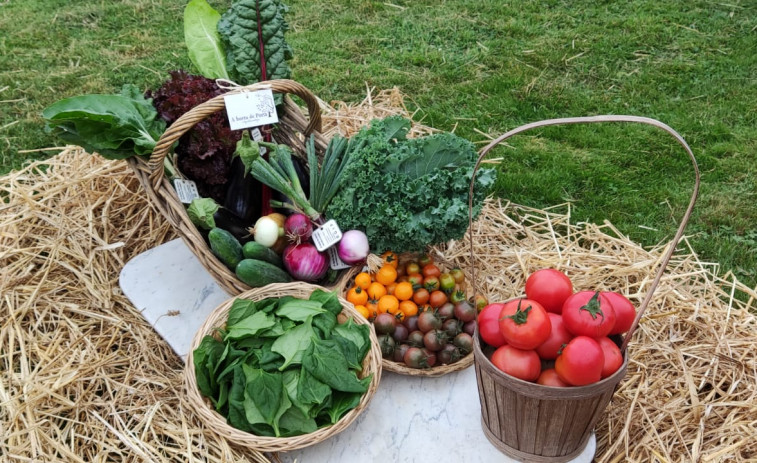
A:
(218, 424)
(292, 128)
(542, 424)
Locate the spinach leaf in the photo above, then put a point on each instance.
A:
(206, 358)
(295, 422)
(342, 403)
(115, 126)
(243, 28)
(310, 390)
(266, 390)
(250, 326)
(293, 344)
(203, 41)
(328, 299)
(359, 334)
(299, 310)
(239, 310)
(325, 361)
(237, 416)
(324, 323)
(268, 359)
(349, 351)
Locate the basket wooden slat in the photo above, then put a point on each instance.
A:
(218, 424)
(292, 128)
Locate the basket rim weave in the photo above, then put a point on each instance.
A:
(217, 423)
(162, 195)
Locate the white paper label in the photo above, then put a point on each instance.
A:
(257, 136)
(327, 235)
(186, 190)
(334, 261)
(250, 109)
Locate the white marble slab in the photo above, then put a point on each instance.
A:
(409, 419)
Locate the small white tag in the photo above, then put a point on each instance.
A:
(250, 109)
(334, 261)
(186, 190)
(327, 235)
(257, 136)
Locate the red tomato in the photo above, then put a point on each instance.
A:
(580, 362)
(625, 312)
(522, 364)
(549, 377)
(488, 325)
(550, 288)
(588, 313)
(613, 357)
(558, 336)
(524, 323)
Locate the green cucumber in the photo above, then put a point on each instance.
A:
(257, 273)
(226, 247)
(255, 250)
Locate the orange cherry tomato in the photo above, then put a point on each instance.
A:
(376, 290)
(363, 280)
(391, 258)
(403, 291)
(363, 311)
(408, 308)
(412, 267)
(388, 303)
(386, 275)
(357, 295)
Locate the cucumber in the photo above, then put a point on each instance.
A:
(255, 250)
(257, 273)
(226, 247)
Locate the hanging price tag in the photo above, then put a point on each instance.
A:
(258, 136)
(326, 235)
(250, 109)
(186, 190)
(334, 261)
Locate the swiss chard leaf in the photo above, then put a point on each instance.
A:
(325, 361)
(243, 27)
(115, 126)
(203, 41)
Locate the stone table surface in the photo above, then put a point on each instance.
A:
(409, 419)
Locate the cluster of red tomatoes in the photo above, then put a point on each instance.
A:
(554, 336)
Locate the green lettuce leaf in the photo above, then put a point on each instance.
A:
(203, 41)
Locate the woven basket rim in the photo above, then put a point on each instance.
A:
(217, 423)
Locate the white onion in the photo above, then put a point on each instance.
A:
(267, 231)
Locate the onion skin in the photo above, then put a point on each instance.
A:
(353, 248)
(298, 228)
(304, 262)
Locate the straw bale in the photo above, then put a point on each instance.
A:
(83, 376)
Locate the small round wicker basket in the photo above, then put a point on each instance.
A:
(292, 128)
(218, 424)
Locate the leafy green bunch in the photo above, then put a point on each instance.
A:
(284, 366)
(408, 193)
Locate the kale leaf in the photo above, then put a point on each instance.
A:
(408, 193)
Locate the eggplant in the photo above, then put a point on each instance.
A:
(230, 222)
(303, 175)
(243, 194)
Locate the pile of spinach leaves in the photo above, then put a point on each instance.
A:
(284, 366)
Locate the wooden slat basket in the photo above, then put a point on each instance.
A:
(291, 130)
(543, 424)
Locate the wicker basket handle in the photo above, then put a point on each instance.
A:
(201, 111)
(587, 120)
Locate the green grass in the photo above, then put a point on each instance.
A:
(475, 67)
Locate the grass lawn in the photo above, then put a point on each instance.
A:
(479, 68)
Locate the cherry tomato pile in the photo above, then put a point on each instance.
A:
(420, 312)
(555, 336)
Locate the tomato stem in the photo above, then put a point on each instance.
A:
(520, 316)
(593, 307)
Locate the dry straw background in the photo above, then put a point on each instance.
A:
(84, 378)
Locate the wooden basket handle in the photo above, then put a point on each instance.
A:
(589, 120)
(188, 120)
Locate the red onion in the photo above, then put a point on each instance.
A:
(353, 248)
(298, 228)
(304, 262)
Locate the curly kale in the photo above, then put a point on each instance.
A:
(408, 193)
